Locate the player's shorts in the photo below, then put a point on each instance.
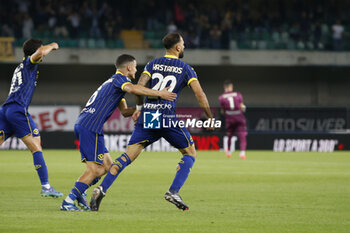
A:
(15, 120)
(178, 137)
(236, 125)
(92, 145)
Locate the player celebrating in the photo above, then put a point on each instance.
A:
(232, 106)
(88, 127)
(167, 71)
(14, 116)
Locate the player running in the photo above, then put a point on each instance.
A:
(14, 116)
(232, 107)
(88, 128)
(167, 71)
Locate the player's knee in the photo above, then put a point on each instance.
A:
(1, 140)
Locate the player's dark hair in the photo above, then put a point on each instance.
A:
(123, 59)
(30, 46)
(171, 39)
(227, 82)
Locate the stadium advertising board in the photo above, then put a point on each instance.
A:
(204, 142)
(7, 50)
(54, 118)
(297, 119)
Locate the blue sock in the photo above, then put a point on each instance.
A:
(185, 165)
(94, 181)
(40, 166)
(121, 162)
(78, 189)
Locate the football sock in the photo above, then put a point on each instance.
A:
(242, 140)
(78, 189)
(40, 166)
(229, 143)
(47, 186)
(184, 168)
(94, 181)
(121, 162)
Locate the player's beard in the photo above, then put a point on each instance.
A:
(181, 54)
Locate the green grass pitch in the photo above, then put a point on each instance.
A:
(269, 192)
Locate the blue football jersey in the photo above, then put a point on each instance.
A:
(23, 83)
(102, 103)
(168, 71)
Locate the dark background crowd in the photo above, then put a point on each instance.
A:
(221, 24)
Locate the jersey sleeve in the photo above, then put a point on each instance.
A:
(30, 63)
(190, 74)
(148, 69)
(120, 82)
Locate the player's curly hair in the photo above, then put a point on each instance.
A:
(30, 46)
(171, 39)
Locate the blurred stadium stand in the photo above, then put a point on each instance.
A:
(240, 24)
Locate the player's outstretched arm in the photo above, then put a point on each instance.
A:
(201, 98)
(143, 80)
(43, 51)
(140, 90)
(124, 109)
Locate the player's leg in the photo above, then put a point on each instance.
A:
(97, 159)
(5, 127)
(25, 129)
(180, 138)
(242, 135)
(33, 143)
(140, 138)
(230, 127)
(132, 152)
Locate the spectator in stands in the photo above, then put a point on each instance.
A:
(74, 25)
(172, 27)
(204, 34)
(226, 27)
(61, 22)
(94, 15)
(317, 33)
(338, 31)
(28, 26)
(215, 37)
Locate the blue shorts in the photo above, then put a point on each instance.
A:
(92, 145)
(178, 137)
(15, 120)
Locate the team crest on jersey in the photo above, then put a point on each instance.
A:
(100, 157)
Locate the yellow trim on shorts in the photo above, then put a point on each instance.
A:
(31, 131)
(122, 87)
(123, 99)
(146, 72)
(96, 146)
(191, 80)
(26, 136)
(139, 142)
(189, 144)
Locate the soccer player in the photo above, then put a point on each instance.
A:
(88, 128)
(232, 107)
(167, 71)
(14, 116)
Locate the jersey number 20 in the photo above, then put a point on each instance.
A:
(163, 81)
